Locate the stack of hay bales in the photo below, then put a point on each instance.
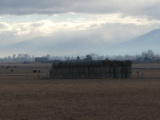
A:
(91, 69)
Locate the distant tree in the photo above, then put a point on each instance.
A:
(150, 54)
(78, 58)
(9, 58)
(94, 56)
(68, 58)
(119, 57)
(88, 57)
(48, 56)
(106, 58)
(14, 57)
(144, 54)
(100, 58)
(127, 57)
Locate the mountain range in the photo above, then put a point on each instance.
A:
(81, 46)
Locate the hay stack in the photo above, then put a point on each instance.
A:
(91, 69)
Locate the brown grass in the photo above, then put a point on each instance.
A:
(147, 65)
(25, 97)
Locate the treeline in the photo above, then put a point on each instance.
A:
(18, 58)
(148, 56)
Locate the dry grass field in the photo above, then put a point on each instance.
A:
(25, 97)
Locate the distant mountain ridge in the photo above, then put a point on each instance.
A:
(49, 45)
(83, 45)
(148, 41)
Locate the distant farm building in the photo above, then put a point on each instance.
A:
(91, 69)
(41, 59)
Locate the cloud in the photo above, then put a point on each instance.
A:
(128, 7)
(109, 27)
(4, 27)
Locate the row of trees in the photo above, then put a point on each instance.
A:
(149, 55)
(18, 58)
(93, 56)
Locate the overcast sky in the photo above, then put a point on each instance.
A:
(108, 20)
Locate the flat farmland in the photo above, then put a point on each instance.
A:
(147, 70)
(24, 96)
(23, 69)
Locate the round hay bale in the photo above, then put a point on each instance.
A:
(123, 69)
(117, 72)
(128, 63)
(128, 72)
(116, 63)
(111, 74)
(106, 63)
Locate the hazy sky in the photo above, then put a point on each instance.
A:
(108, 20)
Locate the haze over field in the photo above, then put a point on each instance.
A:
(70, 27)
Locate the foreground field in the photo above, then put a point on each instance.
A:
(25, 97)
